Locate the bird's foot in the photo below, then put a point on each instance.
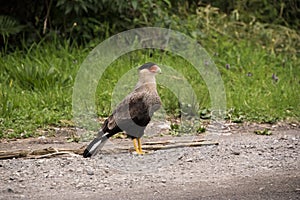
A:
(141, 152)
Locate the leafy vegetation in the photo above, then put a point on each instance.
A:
(258, 59)
(82, 21)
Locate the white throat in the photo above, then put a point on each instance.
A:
(145, 79)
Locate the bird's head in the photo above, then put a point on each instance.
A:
(149, 68)
(147, 73)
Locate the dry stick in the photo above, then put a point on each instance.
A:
(13, 154)
(50, 152)
(55, 154)
(178, 145)
(160, 147)
(47, 17)
(38, 153)
(172, 141)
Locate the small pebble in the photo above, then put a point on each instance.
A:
(236, 153)
(89, 172)
(79, 185)
(270, 166)
(10, 190)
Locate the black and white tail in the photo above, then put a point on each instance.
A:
(95, 145)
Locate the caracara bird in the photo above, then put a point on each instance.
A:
(133, 113)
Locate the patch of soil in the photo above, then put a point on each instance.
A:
(243, 166)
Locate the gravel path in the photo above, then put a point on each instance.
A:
(242, 166)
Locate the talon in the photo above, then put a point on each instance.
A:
(141, 152)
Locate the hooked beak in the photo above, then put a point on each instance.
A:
(155, 69)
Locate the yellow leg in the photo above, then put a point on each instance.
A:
(140, 146)
(135, 146)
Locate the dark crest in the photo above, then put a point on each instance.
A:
(146, 65)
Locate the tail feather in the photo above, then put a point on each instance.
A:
(94, 146)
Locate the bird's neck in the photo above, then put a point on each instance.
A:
(146, 80)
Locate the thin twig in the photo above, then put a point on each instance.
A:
(47, 17)
(55, 154)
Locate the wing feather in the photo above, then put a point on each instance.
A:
(134, 113)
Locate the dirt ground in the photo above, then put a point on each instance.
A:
(242, 166)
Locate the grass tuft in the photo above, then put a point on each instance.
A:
(258, 63)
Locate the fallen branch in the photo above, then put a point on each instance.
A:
(179, 145)
(172, 142)
(39, 153)
(13, 154)
(160, 145)
(149, 146)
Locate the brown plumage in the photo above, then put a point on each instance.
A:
(133, 114)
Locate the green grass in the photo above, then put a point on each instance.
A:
(36, 88)
(251, 87)
(252, 91)
(36, 83)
